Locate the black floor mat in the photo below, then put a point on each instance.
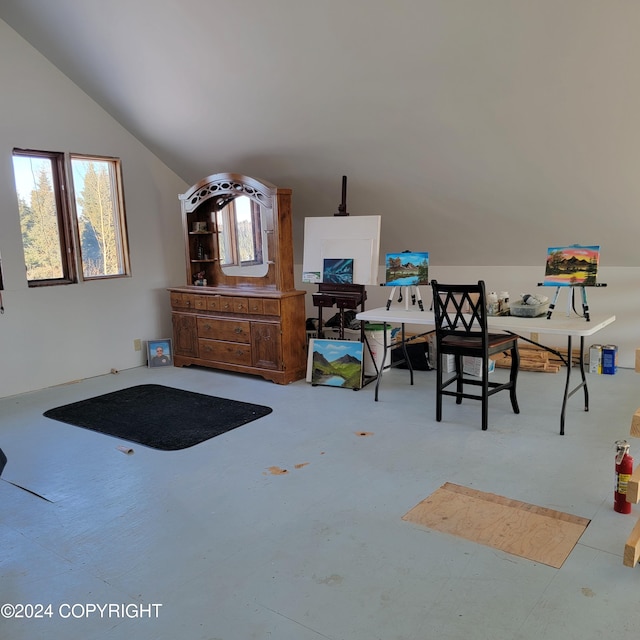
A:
(158, 416)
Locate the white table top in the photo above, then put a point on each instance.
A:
(558, 324)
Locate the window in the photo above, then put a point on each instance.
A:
(240, 232)
(71, 215)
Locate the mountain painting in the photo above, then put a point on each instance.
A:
(335, 363)
(407, 269)
(337, 271)
(571, 266)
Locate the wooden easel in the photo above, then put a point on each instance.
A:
(344, 296)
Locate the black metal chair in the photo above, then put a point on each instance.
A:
(461, 330)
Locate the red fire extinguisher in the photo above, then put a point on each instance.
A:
(624, 469)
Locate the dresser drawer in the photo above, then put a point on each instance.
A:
(200, 302)
(264, 306)
(213, 303)
(271, 307)
(256, 305)
(233, 304)
(232, 352)
(183, 300)
(231, 330)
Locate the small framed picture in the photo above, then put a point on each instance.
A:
(311, 276)
(159, 353)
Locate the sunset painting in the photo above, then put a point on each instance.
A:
(573, 265)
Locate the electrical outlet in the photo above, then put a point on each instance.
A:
(137, 344)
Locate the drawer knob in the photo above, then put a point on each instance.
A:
(238, 330)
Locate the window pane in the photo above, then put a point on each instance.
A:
(39, 219)
(244, 222)
(224, 236)
(95, 185)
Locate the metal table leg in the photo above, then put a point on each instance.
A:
(582, 385)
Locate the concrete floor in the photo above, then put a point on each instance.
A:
(231, 548)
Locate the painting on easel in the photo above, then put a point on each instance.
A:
(573, 265)
(337, 271)
(335, 363)
(407, 269)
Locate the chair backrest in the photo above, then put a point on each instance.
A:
(460, 309)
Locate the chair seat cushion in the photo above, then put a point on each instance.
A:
(471, 342)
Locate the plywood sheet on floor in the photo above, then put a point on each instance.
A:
(537, 533)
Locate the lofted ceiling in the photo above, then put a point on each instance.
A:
(483, 131)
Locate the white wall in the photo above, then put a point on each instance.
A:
(54, 335)
(618, 298)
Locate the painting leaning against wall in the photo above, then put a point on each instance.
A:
(335, 363)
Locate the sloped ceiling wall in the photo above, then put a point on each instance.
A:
(483, 131)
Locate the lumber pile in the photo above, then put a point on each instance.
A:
(633, 486)
(631, 553)
(635, 419)
(533, 358)
(635, 424)
(632, 547)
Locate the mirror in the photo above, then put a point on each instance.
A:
(242, 243)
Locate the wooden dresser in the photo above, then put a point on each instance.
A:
(240, 311)
(249, 331)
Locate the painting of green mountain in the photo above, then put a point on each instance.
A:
(335, 363)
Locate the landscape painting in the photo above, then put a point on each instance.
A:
(337, 271)
(573, 265)
(335, 363)
(407, 269)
